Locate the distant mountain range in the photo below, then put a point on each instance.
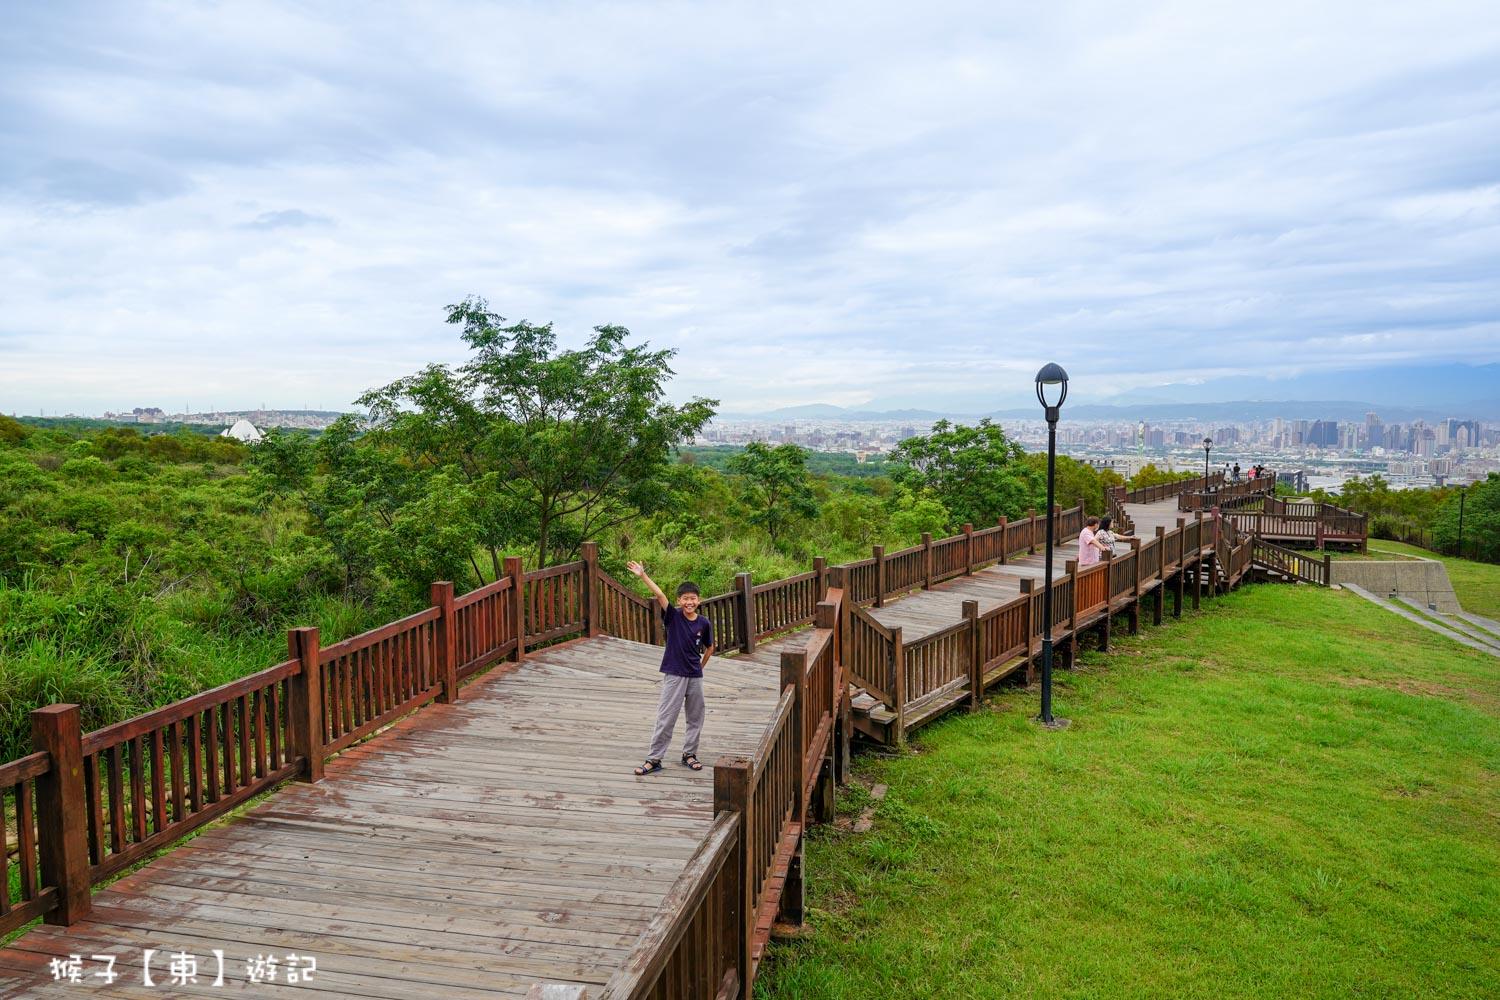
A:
(1237, 411)
(1400, 394)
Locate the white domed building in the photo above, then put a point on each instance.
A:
(244, 431)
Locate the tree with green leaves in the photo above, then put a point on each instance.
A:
(775, 486)
(1481, 516)
(555, 446)
(1150, 475)
(1076, 483)
(976, 473)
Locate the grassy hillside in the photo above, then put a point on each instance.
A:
(1292, 794)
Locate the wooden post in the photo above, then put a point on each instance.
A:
(737, 908)
(898, 655)
(968, 530)
(745, 607)
(1327, 570)
(1107, 627)
(794, 675)
(1003, 544)
(878, 551)
(517, 574)
(1161, 576)
(844, 746)
(1135, 603)
(445, 642)
(826, 617)
(1070, 648)
(1031, 531)
(1180, 589)
(820, 567)
(589, 551)
(305, 703)
(1214, 590)
(976, 656)
(793, 904)
(1319, 516)
(1027, 587)
(822, 797)
(926, 560)
(62, 813)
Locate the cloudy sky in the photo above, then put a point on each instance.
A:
(865, 204)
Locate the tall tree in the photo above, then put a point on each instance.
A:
(776, 485)
(556, 446)
(977, 473)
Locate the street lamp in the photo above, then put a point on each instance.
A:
(1051, 375)
(1208, 444)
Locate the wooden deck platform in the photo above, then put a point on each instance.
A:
(475, 848)
(468, 851)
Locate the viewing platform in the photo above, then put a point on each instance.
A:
(485, 838)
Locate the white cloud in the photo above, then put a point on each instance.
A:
(838, 203)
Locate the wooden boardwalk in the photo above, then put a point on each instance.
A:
(469, 851)
(496, 839)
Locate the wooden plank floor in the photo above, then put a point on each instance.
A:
(469, 851)
(923, 612)
(1164, 513)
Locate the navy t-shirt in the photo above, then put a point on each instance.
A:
(686, 641)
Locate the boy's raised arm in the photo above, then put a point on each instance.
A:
(640, 571)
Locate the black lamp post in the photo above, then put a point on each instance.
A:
(1208, 444)
(1051, 375)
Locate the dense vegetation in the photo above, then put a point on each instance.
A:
(1291, 794)
(138, 566)
(1428, 517)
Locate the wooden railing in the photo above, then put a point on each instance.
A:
(627, 615)
(554, 602)
(936, 665)
(871, 651)
(144, 783)
(36, 894)
(726, 613)
(1121, 574)
(789, 603)
(1150, 556)
(903, 571)
(950, 558)
(1313, 529)
(152, 779)
(693, 946)
(1090, 589)
(1225, 493)
(373, 679)
(1165, 491)
(484, 629)
(1290, 562)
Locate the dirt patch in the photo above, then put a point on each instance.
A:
(1422, 689)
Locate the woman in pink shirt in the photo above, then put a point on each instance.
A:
(1089, 546)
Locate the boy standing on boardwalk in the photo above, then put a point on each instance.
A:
(690, 642)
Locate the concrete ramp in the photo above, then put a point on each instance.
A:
(1421, 581)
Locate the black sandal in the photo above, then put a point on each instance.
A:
(649, 767)
(691, 761)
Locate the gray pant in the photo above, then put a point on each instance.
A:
(674, 692)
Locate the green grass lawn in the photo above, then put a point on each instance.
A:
(1477, 584)
(1292, 794)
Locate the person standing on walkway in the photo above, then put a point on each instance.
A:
(1236, 472)
(1105, 536)
(690, 643)
(1089, 546)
